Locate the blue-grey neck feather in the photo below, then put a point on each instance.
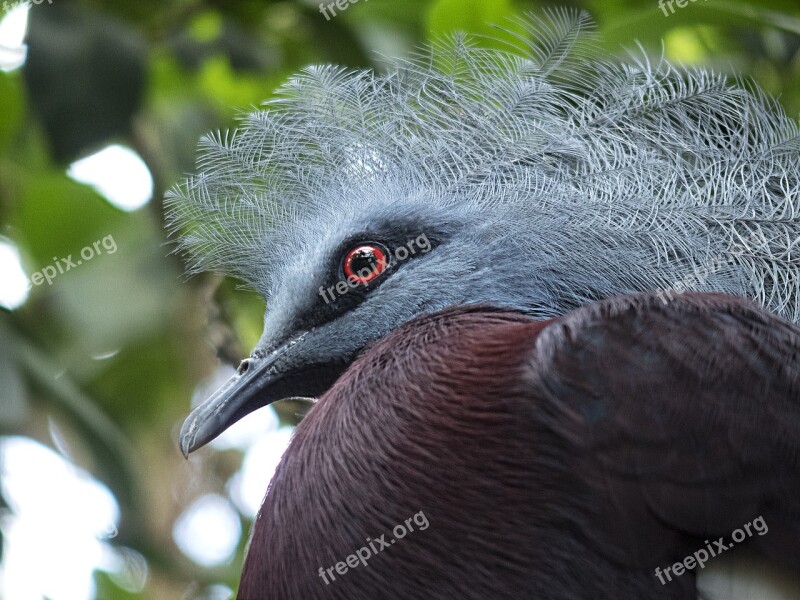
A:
(573, 177)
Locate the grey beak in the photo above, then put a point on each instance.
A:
(259, 381)
(227, 405)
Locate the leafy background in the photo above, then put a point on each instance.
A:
(101, 366)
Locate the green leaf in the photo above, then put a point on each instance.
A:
(12, 101)
(206, 26)
(474, 16)
(107, 589)
(85, 74)
(650, 25)
(57, 216)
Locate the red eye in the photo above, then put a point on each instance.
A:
(364, 263)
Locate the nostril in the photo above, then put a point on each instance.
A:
(243, 366)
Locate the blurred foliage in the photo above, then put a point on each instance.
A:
(113, 350)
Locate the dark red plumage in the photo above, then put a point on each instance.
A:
(558, 459)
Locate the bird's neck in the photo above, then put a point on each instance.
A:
(411, 435)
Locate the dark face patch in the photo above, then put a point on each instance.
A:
(362, 262)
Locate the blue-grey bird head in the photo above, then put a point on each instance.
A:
(532, 178)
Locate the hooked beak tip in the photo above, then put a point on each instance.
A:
(187, 438)
(258, 382)
(184, 444)
(241, 394)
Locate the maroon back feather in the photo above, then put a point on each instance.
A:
(558, 459)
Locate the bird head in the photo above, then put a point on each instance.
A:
(342, 281)
(531, 179)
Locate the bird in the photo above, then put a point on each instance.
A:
(552, 462)
(548, 182)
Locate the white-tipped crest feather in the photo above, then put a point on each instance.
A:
(620, 175)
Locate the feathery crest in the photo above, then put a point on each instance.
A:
(619, 175)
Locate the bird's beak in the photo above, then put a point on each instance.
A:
(259, 381)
